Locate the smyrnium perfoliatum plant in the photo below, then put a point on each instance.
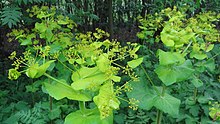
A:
(81, 66)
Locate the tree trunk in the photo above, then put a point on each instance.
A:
(86, 17)
(143, 11)
(110, 19)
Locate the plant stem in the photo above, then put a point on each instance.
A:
(82, 106)
(159, 112)
(159, 116)
(47, 75)
(195, 94)
(187, 47)
(51, 103)
(148, 77)
(51, 107)
(33, 99)
(65, 65)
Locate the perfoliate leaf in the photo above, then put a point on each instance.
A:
(173, 38)
(87, 78)
(84, 72)
(167, 104)
(36, 71)
(135, 63)
(42, 69)
(106, 101)
(166, 37)
(32, 70)
(88, 116)
(169, 58)
(172, 74)
(103, 62)
(61, 90)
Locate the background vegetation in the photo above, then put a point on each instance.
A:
(25, 100)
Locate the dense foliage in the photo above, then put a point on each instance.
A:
(61, 72)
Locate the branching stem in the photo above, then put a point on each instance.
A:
(152, 83)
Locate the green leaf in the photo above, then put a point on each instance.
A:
(26, 42)
(61, 90)
(41, 27)
(49, 35)
(209, 48)
(141, 35)
(173, 38)
(148, 98)
(42, 69)
(103, 62)
(167, 104)
(197, 82)
(36, 71)
(25, 2)
(62, 22)
(10, 16)
(88, 77)
(172, 74)
(88, 116)
(168, 58)
(166, 37)
(54, 113)
(32, 71)
(84, 72)
(195, 110)
(135, 63)
(198, 55)
(210, 65)
(106, 100)
(142, 93)
(204, 99)
(116, 78)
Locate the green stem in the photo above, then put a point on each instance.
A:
(163, 91)
(148, 77)
(213, 56)
(51, 103)
(47, 75)
(195, 94)
(159, 112)
(118, 65)
(187, 47)
(159, 116)
(122, 99)
(120, 58)
(82, 106)
(33, 98)
(65, 65)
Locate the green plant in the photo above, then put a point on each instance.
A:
(184, 56)
(77, 66)
(12, 12)
(215, 111)
(10, 16)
